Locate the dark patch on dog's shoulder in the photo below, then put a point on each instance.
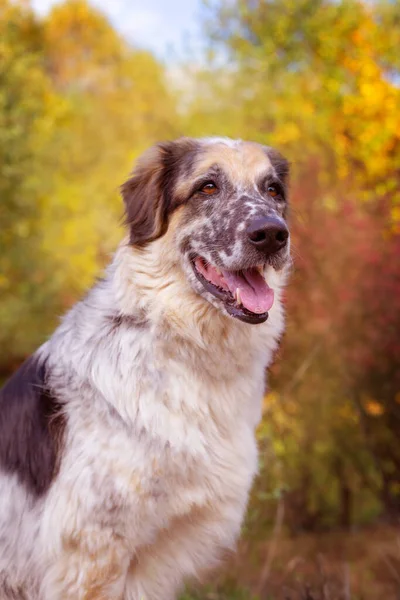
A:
(31, 427)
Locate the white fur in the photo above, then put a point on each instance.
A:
(221, 140)
(160, 449)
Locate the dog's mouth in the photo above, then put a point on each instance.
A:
(245, 294)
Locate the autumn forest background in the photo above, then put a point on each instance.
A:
(320, 80)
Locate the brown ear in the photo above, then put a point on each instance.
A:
(142, 195)
(149, 193)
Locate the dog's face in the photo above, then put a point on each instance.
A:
(231, 231)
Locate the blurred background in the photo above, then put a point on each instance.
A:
(85, 87)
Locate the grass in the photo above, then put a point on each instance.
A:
(362, 565)
(210, 593)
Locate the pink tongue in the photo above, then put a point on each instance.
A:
(255, 293)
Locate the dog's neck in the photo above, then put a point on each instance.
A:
(148, 285)
(146, 316)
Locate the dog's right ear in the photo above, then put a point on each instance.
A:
(142, 194)
(149, 194)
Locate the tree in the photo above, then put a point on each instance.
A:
(28, 112)
(318, 79)
(118, 104)
(77, 105)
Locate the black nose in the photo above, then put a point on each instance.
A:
(268, 234)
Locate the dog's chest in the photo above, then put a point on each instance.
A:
(190, 442)
(180, 438)
(198, 435)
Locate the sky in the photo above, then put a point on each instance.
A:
(169, 28)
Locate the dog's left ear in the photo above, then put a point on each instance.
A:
(280, 164)
(149, 193)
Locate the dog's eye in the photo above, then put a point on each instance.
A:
(209, 188)
(273, 191)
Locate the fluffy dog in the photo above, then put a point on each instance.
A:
(127, 444)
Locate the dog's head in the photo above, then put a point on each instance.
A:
(226, 202)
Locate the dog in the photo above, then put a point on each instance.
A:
(127, 440)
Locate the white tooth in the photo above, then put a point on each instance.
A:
(238, 298)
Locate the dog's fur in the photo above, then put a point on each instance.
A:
(127, 444)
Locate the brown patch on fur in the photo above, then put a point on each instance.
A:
(99, 554)
(100, 579)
